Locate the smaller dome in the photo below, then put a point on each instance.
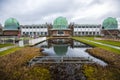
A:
(60, 23)
(11, 24)
(110, 23)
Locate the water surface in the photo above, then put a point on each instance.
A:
(67, 48)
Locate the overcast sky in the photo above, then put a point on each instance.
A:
(42, 11)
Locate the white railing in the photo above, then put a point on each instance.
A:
(60, 35)
(37, 40)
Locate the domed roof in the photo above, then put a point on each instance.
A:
(110, 23)
(11, 24)
(60, 23)
(60, 49)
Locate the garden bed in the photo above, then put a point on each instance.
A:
(14, 66)
(97, 72)
(111, 58)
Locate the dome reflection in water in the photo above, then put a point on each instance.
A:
(60, 50)
(67, 48)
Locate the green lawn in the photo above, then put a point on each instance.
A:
(114, 43)
(97, 45)
(5, 45)
(25, 38)
(9, 51)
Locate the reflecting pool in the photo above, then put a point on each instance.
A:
(67, 48)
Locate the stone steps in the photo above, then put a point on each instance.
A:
(55, 59)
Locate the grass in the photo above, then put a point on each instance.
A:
(9, 51)
(15, 66)
(96, 45)
(5, 45)
(111, 58)
(96, 72)
(114, 43)
(25, 38)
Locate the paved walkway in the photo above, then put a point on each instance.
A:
(115, 47)
(6, 48)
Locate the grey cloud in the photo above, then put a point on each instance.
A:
(68, 8)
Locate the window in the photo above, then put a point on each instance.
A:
(93, 33)
(86, 33)
(75, 33)
(37, 33)
(90, 26)
(79, 33)
(83, 26)
(60, 32)
(27, 33)
(45, 33)
(90, 33)
(34, 33)
(45, 26)
(75, 27)
(98, 26)
(30, 33)
(94, 26)
(82, 33)
(41, 33)
(23, 33)
(97, 33)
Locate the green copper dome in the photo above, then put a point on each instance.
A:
(110, 23)
(11, 24)
(60, 23)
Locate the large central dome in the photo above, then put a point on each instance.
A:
(11, 24)
(60, 23)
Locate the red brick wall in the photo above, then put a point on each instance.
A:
(10, 33)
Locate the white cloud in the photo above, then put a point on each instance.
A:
(41, 11)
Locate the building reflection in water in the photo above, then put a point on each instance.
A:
(68, 48)
(60, 46)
